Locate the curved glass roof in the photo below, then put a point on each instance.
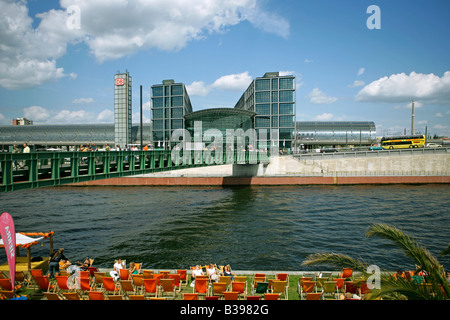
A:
(220, 119)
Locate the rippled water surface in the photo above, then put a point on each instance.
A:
(251, 228)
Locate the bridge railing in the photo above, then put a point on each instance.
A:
(371, 153)
(44, 169)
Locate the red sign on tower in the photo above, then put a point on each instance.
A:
(120, 82)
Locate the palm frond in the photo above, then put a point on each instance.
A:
(335, 259)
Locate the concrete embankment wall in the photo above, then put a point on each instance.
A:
(288, 170)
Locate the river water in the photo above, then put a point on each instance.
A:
(250, 228)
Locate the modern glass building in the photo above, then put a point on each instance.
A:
(122, 109)
(170, 103)
(205, 125)
(273, 98)
(340, 133)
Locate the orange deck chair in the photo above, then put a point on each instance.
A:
(231, 295)
(183, 276)
(271, 296)
(190, 296)
(201, 286)
(168, 288)
(313, 295)
(347, 273)
(96, 295)
(109, 286)
(150, 287)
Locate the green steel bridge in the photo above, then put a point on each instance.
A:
(19, 171)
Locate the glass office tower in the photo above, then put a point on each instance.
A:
(122, 109)
(170, 103)
(273, 99)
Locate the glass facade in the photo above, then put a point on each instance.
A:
(273, 99)
(221, 119)
(122, 109)
(170, 103)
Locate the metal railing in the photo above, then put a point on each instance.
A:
(20, 171)
(371, 153)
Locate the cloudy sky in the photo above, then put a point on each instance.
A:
(353, 62)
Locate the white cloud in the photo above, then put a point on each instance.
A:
(318, 97)
(361, 71)
(417, 105)
(83, 100)
(106, 116)
(113, 29)
(198, 88)
(402, 87)
(324, 117)
(439, 115)
(27, 55)
(268, 21)
(357, 83)
(233, 82)
(37, 114)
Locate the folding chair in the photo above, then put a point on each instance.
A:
(231, 295)
(314, 296)
(148, 274)
(240, 288)
(115, 297)
(340, 284)
(261, 288)
(218, 288)
(150, 287)
(126, 287)
(6, 284)
(109, 286)
(307, 287)
(212, 298)
(62, 284)
(44, 283)
(176, 280)
(282, 277)
(253, 297)
(92, 271)
(346, 273)
(271, 296)
(240, 279)
(226, 280)
(329, 288)
(96, 295)
(168, 287)
(72, 296)
(280, 287)
(98, 279)
(201, 286)
(124, 274)
(190, 296)
(138, 282)
(183, 276)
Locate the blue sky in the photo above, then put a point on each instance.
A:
(52, 71)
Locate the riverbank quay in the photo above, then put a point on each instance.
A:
(312, 169)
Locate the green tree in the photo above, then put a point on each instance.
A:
(436, 287)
